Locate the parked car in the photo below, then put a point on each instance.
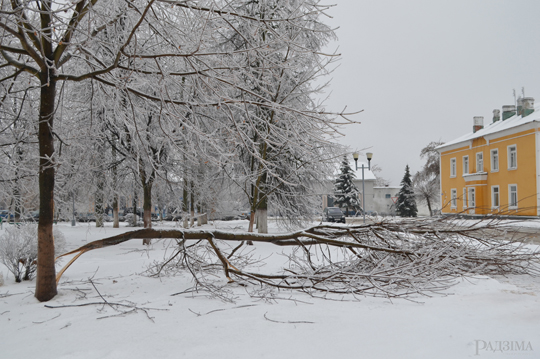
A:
(232, 215)
(173, 216)
(32, 216)
(333, 214)
(129, 218)
(86, 217)
(5, 215)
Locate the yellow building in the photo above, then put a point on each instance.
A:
(494, 169)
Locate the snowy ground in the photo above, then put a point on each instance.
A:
(483, 317)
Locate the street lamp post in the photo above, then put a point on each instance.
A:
(369, 156)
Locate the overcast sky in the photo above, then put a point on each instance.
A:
(422, 69)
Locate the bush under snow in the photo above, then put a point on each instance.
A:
(19, 248)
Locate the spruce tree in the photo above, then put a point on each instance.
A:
(406, 204)
(346, 193)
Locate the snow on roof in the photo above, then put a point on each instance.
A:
(368, 175)
(495, 127)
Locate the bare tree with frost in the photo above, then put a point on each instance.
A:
(282, 154)
(426, 182)
(154, 45)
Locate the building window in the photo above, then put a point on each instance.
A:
(464, 197)
(388, 195)
(495, 160)
(465, 165)
(480, 162)
(472, 198)
(512, 157)
(453, 198)
(495, 203)
(512, 196)
(453, 167)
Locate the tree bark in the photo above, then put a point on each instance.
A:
(147, 209)
(147, 182)
(134, 204)
(116, 218)
(99, 199)
(429, 206)
(192, 206)
(147, 205)
(185, 194)
(17, 190)
(262, 208)
(46, 273)
(262, 220)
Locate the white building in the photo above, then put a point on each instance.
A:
(384, 200)
(379, 200)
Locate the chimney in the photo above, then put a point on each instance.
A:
(508, 111)
(527, 106)
(478, 123)
(496, 115)
(520, 106)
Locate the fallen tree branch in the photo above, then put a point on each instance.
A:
(287, 322)
(391, 259)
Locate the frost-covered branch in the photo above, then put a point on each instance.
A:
(388, 259)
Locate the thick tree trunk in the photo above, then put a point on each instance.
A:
(185, 194)
(262, 220)
(16, 190)
(46, 274)
(192, 206)
(147, 182)
(147, 205)
(134, 204)
(116, 219)
(429, 206)
(262, 209)
(99, 199)
(16, 202)
(251, 221)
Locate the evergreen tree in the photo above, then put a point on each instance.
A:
(346, 192)
(406, 204)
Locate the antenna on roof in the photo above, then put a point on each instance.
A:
(523, 92)
(515, 99)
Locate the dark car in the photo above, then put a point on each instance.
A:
(32, 216)
(5, 215)
(333, 214)
(86, 217)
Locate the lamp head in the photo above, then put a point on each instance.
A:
(369, 155)
(355, 156)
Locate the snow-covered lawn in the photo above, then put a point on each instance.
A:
(481, 317)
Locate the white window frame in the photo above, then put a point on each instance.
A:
(495, 192)
(453, 198)
(466, 165)
(494, 156)
(464, 197)
(453, 167)
(512, 190)
(472, 197)
(512, 164)
(479, 162)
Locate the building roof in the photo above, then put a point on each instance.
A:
(495, 127)
(368, 175)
